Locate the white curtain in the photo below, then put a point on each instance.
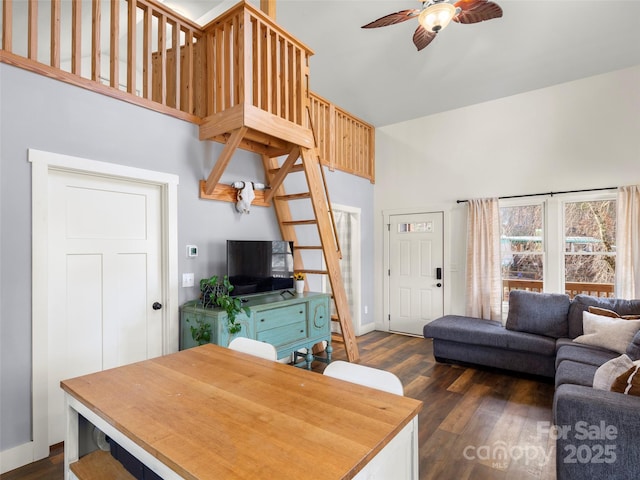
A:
(628, 242)
(345, 228)
(484, 284)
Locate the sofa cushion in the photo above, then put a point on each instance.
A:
(575, 373)
(539, 313)
(477, 331)
(606, 332)
(633, 349)
(609, 371)
(586, 354)
(582, 302)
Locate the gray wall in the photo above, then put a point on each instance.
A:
(44, 114)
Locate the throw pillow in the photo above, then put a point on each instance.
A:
(605, 312)
(633, 350)
(539, 313)
(608, 372)
(606, 332)
(629, 382)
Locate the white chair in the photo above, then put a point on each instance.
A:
(367, 376)
(254, 347)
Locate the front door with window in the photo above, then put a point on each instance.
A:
(416, 277)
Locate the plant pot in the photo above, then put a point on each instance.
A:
(299, 284)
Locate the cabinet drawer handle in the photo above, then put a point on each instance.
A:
(301, 331)
(262, 319)
(301, 312)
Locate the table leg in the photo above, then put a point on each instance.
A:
(71, 442)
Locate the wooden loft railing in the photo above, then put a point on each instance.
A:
(258, 80)
(344, 142)
(127, 50)
(121, 49)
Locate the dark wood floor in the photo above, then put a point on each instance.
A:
(475, 423)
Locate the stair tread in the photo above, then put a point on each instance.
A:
(294, 196)
(313, 271)
(301, 222)
(308, 247)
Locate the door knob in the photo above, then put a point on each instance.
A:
(156, 306)
(438, 285)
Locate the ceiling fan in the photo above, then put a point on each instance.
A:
(436, 15)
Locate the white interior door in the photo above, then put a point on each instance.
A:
(105, 275)
(415, 271)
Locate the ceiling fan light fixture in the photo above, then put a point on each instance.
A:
(437, 16)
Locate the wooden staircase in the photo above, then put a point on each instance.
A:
(299, 160)
(328, 244)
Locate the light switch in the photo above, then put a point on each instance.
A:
(187, 279)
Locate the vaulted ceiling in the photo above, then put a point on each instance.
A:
(378, 75)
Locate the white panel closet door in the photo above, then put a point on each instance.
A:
(104, 276)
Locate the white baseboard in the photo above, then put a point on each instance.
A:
(16, 457)
(368, 328)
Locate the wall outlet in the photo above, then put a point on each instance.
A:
(187, 279)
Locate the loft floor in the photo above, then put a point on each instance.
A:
(467, 411)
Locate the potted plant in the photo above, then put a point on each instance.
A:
(298, 278)
(216, 294)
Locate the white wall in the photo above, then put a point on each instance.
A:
(577, 135)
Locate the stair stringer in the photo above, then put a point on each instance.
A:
(311, 167)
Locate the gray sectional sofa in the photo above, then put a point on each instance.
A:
(597, 431)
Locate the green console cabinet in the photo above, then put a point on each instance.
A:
(289, 323)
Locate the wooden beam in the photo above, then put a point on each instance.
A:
(269, 7)
(227, 193)
(283, 172)
(224, 158)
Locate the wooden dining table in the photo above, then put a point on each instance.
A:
(213, 413)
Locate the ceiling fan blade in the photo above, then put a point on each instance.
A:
(474, 11)
(422, 37)
(393, 18)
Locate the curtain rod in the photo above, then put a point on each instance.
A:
(549, 193)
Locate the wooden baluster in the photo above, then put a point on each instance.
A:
(55, 33)
(147, 66)
(187, 81)
(76, 37)
(175, 67)
(95, 41)
(131, 46)
(161, 81)
(7, 25)
(114, 53)
(32, 49)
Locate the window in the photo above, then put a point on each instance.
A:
(561, 245)
(589, 247)
(522, 247)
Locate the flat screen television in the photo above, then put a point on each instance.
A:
(256, 266)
